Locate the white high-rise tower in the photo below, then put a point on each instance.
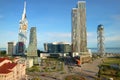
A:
(22, 36)
(79, 33)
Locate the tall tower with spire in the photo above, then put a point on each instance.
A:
(22, 35)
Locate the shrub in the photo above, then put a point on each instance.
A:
(118, 73)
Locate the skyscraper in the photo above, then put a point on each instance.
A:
(32, 48)
(79, 34)
(22, 36)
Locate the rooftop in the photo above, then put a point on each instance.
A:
(2, 59)
(6, 68)
(56, 43)
(81, 1)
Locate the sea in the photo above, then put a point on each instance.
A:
(95, 50)
(107, 50)
(2, 49)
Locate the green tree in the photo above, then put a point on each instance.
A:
(3, 53)
(118, 73)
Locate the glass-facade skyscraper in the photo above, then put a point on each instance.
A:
(57, 47)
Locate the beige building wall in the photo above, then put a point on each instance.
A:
(18, 72)
(29, 62)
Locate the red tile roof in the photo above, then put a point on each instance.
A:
(2, 59)
(5, 68)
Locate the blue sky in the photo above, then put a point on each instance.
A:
(53, 20)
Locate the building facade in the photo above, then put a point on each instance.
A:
(12, 70)
(32, 47)
(11, 50)
(22, 36)
(79, 34)
(20, 49)
(57, 47)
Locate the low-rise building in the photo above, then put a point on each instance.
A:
(10, 70)
(11, 49)
(57, 47)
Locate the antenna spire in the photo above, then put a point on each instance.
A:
(24, 11)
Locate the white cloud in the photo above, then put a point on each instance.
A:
(110, 38)
(111, 31)
(54, 36)
(91, 37)
(43, 37)
(89, 34)
(59, 35)
(113, 39)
